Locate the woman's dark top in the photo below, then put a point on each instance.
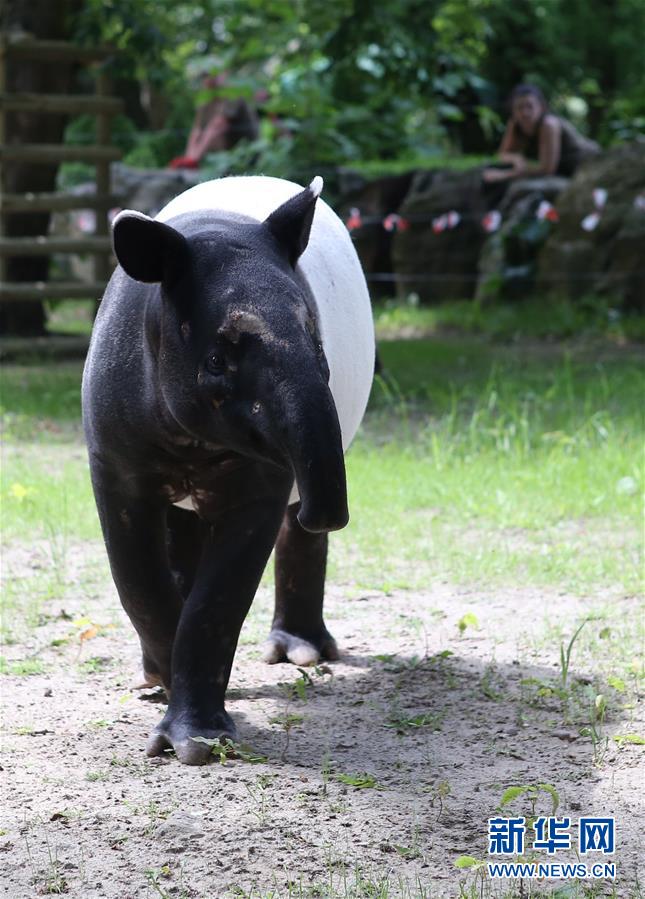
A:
(574, 147)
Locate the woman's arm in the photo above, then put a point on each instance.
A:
(549, 148)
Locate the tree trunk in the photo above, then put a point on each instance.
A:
(45, 19)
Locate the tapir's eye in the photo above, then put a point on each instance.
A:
(216, 364)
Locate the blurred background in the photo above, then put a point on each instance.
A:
(400, 111)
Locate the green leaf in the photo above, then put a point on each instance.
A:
(467, 620)
(362, 781)
(635, 739)
(512, 793)
(617, 683)
(466, 861)
(551, 790)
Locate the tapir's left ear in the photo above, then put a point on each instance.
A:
(147, 250)
(291, 222)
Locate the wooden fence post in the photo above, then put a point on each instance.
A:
(101, 154)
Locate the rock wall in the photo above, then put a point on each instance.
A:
(610, 258)
(528, 252)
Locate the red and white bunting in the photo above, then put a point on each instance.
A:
(440, 223)
(354, 221)
(394, 222)
(590, 222)
(446, 222)
(491, 221)
(599, 197)
(547, 212)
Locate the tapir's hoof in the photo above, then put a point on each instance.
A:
(178, 735)
(282, 646)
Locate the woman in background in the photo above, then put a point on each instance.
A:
(536, 142)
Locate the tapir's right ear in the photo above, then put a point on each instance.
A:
(147, 250)
(291, 222)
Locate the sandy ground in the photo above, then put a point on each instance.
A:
(86, 814)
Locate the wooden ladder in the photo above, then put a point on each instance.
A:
(103, 107)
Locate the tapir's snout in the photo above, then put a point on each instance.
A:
(314, 448)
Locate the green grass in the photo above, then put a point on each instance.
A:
(537, 317)
(478, 463)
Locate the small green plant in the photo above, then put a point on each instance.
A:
(154, 877)
(226, 749)
(306, 681)
(466, 621)
(600, 741)
(532, 793)
(565, 655)
(362, 781)
(403, 723)
(489, 679)
(95, 665)
(475, 867)
(22, 667)
(258, 792)
(438, 792)
(287, 721)
(631, 739)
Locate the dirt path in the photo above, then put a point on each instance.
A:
(441, 720)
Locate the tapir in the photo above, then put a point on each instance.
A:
(228, 371)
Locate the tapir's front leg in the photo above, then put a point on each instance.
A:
(134, 528)
(234, 555)
(298, 632)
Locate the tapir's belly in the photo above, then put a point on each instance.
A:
(213, 485)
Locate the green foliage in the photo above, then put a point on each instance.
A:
(346, 84)
(591, 51)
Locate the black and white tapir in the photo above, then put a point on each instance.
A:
(229, 369)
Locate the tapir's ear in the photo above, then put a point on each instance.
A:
(291, 222)
(147, 250)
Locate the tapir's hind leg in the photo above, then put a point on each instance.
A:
(298, 633)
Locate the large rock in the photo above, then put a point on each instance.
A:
(439, 266)
(610, 259)
(508, 258)
(149, 190)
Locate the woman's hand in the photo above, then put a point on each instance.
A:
(491, 176)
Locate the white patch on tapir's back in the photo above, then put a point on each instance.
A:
(331, 268)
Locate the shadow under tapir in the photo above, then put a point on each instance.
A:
(229, 369)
